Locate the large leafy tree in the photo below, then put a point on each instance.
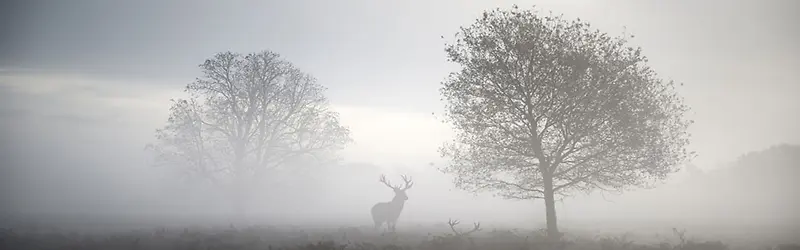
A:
(247, 115)
(545, 107)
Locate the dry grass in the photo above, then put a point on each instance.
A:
(343, 238)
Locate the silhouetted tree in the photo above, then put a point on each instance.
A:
(544, 107)
(246, 115)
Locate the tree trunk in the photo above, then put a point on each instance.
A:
(239, 202)
(239, 191)
(550, 208)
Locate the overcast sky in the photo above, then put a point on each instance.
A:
(105, 70)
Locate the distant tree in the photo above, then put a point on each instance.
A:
(247, 115)
(544, 107)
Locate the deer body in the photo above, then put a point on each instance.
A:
(389, 212)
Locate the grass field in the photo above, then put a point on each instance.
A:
(417, 237)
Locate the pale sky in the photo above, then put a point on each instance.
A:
(82, 75)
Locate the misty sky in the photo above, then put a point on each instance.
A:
(88, 81)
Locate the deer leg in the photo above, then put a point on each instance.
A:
(381, 229)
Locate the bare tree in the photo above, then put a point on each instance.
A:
(389, 211)
(544, 107)
(247, 115)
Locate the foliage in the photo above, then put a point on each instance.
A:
(248, 114)
(545, 107)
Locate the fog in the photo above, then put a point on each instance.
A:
(77, 109)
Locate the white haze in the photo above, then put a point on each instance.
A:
(76, 113)
(75, 151)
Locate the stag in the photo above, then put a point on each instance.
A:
(452, 223)
(389, 211)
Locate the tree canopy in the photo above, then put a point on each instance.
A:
(248, 114)
(545, 107)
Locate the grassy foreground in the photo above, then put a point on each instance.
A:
(343, 238)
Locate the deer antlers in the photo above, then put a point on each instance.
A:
(406, 179)
(453, 223)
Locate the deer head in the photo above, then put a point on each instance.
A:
(399, 192)
(452, 223)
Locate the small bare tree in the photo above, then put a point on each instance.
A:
(389, 211)
(246, 115)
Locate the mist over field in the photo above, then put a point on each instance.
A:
(85, 84)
